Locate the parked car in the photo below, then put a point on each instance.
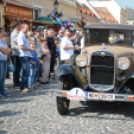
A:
(108, 60)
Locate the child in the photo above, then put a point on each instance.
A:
(56, 40)
(34, 62)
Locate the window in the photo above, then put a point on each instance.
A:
(36, 14)
(99, 36)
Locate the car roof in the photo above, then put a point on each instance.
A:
(110, 26)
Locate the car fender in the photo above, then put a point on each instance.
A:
(65, 69)
(129, 82)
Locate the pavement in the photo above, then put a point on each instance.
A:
(36, 113)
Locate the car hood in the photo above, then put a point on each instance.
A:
(118, 51)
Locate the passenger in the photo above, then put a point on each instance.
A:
(111, 39)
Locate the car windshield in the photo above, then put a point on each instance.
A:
(118, 37)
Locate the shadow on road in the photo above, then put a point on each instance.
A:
(103, 109)
(3, 132)
(11, 100)
(8, 113)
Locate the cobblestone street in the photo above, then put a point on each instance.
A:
(36, 113)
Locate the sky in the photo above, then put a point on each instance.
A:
(124, 3)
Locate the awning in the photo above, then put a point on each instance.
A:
(103, 12)
(47, 19)
(88, 16)
(86, 11)
(18, 18)
(105, 15)
(30, 20)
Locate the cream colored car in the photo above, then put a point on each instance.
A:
(107, 63)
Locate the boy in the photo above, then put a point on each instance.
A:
(33, 66)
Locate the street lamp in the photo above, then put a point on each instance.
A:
(56, 4)
(4, 4)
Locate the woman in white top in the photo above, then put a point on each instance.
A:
(4, 51)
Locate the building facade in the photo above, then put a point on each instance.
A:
(130, 15)
(13, 12)
(29, 10)
(45, 7)
(92, 14)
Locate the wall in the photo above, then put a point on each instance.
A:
(123, 18)
(66, 6)
(68, 11)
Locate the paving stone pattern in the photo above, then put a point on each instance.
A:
(36, 113)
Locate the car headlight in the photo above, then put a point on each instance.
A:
(81, 60)
(123, 63)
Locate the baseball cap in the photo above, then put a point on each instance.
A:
(38, 30)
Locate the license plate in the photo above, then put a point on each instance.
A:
(100, 96)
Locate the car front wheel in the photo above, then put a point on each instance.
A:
(62, 102)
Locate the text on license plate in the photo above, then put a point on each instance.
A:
(100, 96)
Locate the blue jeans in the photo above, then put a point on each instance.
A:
(33, 75)
(17, 68)
(25, 66)
(3, 69)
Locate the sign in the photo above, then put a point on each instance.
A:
(75, 19)
(99, 96)
(76, 94)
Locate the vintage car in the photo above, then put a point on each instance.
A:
(107, 63)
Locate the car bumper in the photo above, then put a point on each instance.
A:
(78, 94)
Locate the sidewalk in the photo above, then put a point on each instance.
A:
(15, 92)
(9, 81)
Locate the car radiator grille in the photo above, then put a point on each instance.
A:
(102, 69)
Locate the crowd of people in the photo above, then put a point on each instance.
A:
(33, 54)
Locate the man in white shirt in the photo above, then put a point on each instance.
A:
(67, 47)
(68, 57)
(15, 53)
(25, 57)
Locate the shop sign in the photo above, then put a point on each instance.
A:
(19, 11)
(11, 10)
(25, 12)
